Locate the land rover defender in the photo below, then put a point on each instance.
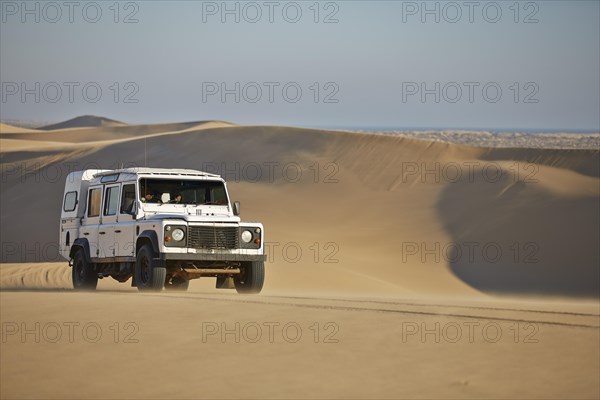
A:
(161, 227)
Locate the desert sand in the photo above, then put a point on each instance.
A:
(399, 267)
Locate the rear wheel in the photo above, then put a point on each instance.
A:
(148, 276)
(251, 278)
(83, 274)
(177, 283)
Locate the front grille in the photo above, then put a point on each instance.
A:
(214, 237)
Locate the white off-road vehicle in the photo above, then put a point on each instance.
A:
(162, 227)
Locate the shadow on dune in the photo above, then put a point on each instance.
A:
(518, 238)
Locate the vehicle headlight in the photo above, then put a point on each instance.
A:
(246, 236)
(177, 235)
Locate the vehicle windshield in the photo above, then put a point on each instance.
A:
(179, 191)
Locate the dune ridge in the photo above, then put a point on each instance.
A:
(10, 129)
(83, 121)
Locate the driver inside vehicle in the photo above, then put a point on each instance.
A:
(150, 197)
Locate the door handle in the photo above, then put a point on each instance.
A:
(118, 231)
(86, 233)
(101, 233)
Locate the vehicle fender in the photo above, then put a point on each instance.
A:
(81, 243)
(148, 235)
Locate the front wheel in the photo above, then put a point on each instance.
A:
(83, 274)
(251, 278)
(148, 276)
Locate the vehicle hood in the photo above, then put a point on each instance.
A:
(193, 218)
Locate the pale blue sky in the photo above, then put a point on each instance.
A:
(370, 56)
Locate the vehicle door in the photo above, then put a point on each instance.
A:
(125, 229)
(108, 223)
(91, 219)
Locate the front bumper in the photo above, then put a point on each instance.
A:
(211, 257)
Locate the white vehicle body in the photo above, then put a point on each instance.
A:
(183, 220)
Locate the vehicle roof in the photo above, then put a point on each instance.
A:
(158, 172)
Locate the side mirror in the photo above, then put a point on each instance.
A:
(134, 210)
(236, 208)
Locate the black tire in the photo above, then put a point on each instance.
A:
(177, 283)
(83, 274)
(251, 278)
(148, 276)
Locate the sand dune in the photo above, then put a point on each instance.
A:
(158, 346)
(361, 339)
(85, 136)
(366, 199)
(8, 129)
(373, 241)
(36, 276)
(83, 121)
(24, 145)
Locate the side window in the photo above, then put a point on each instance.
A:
(94, 199)
(127, 199)
(70, 201)
(111, 200)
